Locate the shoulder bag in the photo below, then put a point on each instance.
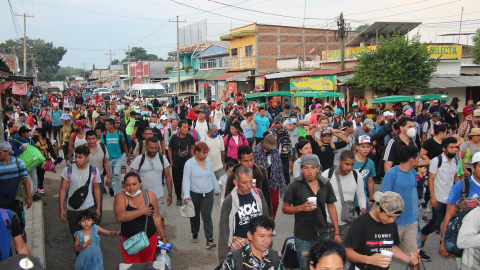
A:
(348, 207)
(139, 241)
(80, 195)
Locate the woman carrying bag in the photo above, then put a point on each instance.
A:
(45, 147)
(141, 223)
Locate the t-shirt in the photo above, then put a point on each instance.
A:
(247, 129)
(433, 148)
(78, 179)
(393, 148)
(469, 154)
(201, 128)
(368, 171)
(262, 125)
(336, 158)
(151, 172)
(130, 126)
(444, 176)
(247, 210)
(217, 117)
(113, 144)
(456, 191)
(56, 122)
(181, 148)
(366, 236)
(216, 147)
(405, 184)
(10, 175)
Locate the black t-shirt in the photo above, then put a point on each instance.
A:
(433, 148)
(247, 210)
(367, 237)
(181, 147)
(393, 148)
(310, 225)
(325, 152)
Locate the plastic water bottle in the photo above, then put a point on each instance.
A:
(163, 257)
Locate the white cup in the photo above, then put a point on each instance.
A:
(254, 181)
(386, 253)
(312, 199)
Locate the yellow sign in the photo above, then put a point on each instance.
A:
(442, 51)
(316, 83)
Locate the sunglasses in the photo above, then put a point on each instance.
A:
(397, 213)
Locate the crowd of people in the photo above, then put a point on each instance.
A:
(319, 164)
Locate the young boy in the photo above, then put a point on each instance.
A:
(422, 181)
(223, 180)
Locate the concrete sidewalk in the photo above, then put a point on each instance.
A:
(34, 229)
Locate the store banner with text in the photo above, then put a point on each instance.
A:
(19, 89)
(232, 87)
(259, 83)
(315, 83)
(436, 51)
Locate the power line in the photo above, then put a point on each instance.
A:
(163, 25)
(369, 11)
(14, 20)
(225, 16)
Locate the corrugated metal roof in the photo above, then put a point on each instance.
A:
(207, 74)
(175, 80)
(325, 72)
(225, 76)
(446, 82)
(468, 80)
(457, 81)
(242, 77)
(286, 74)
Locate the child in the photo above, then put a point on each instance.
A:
(223, 180)
(422, 181)
(87, 243)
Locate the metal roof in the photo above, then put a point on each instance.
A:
(326, 72)
(286, 74)
(175, 80)
(242, 77)
(384, 28)
(457, 81)
(207, 74)
(225, 76)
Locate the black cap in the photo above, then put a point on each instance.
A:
(346, 124)
(23, 129)
(293, 115)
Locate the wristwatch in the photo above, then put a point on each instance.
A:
(170, 195)
(372, 200)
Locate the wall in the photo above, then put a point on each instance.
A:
(448, 67)
(241, 61)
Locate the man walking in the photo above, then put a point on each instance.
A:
(284, 146)
(217, 150)
(56, 121)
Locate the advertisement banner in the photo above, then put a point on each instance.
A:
(232, 87)
(442, 51)
(19, 89)
(315, 83)
(259, 83)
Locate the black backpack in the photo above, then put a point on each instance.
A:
(143, 160)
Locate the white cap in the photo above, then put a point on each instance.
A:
(476, 157)
(387, 113)
(203, 101)
(163, 117)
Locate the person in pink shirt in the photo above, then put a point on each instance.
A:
(232, 142)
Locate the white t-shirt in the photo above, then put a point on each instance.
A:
(349, 188)
(216, 147)
(151, 172)
(78, 179)
(296, 168)
(201, 128)
(217, 117)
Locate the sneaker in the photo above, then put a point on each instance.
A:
(110, 191)
(195, 238)
(424, 256)
(36, 197)
(42, 191)
(210, 244)
(179, 202)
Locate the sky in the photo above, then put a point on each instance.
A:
(90, 29)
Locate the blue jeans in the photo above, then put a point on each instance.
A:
(438, 214)
(303, 249)
(33, 176)
(115, 171)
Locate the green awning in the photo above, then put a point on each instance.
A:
(430, 97)
(173, 73)
(318, 94)
(269, 94)
(207, 74)
(393, 99)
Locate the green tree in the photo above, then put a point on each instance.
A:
(116, 62)
(64, 72)
(362, 27)
(93, 67)
(476, 47)
(187, 68)
(397, 64)
(138, 54)
(47, 57)
(168, 69)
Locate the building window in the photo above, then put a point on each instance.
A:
(212, 63)
(249, 50)
(234, 52)
(203, 64)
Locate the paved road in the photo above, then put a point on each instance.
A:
(59, 244)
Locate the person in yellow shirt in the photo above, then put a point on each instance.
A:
(65, 133)
(74, 115)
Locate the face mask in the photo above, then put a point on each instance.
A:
(294, 120)
(451, 155)
(215, 134)
(133, 195)
(152, 125)
(411, 132)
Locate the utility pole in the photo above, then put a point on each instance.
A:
(342, 34)
(84, 71)
(24, 41)
(460, 29)
(129, 73)
(178, 54)
(34, 66)
(110, 65)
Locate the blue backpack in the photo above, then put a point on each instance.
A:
(289, 253)
(5, 233)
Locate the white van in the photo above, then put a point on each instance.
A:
(147, 90)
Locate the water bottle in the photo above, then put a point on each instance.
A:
(163, 257)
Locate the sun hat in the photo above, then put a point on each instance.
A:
(271, 141)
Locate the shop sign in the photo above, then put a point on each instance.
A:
(442, 51)
(349, 52)
(19, 89)
(315, 83)
(259, 83)
(232, 87)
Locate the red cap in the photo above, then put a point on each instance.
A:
(79, 123)
(363, 108)
(30, 120)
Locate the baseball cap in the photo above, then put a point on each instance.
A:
(79, 123)
(476, 112)
(475, 158)
(102, 114)
(271, 141)
(338, 111)
(277, 119)
(478, 103)
(357, 115)
(387, 113)
(116, 119)
(346, 124)
(436, 115)
(391, 202)
(55, 104)
(369, 123)
(163, 117)
(325, 132)
(30, 120)
(355, 106)
(363, 139)
(407, 107)
(364, 108)
(318, 105)
(409, 112)
(4, 146)
(170, 106)
(217, 103)
(203, 101)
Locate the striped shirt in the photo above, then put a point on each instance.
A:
(10, 174)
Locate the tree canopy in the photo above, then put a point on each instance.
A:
(476, 47)
(138, 54)
(362, 27)
(398, 64)
(47, 57)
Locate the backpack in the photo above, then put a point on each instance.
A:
(284, 144)
(289, 253)
(440, 160)
(143, 160)
(119, 139)
(463, 207)
(6, 233)
(355, 175)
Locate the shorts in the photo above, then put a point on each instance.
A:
(162, 206)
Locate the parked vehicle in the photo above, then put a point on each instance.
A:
(148, 90)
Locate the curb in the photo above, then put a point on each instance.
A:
(34, 228)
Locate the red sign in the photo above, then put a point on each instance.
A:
(205, 85)
(19, 89)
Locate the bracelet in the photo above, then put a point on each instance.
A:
(170, 195)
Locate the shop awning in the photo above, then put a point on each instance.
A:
(281, 75)
(454, 81)
(326, 72)
(225, 76)
(242, 77)
(207, 74)
(175, 80)
(468, 80)
(269, 94)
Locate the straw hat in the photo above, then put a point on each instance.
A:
(474, 131)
